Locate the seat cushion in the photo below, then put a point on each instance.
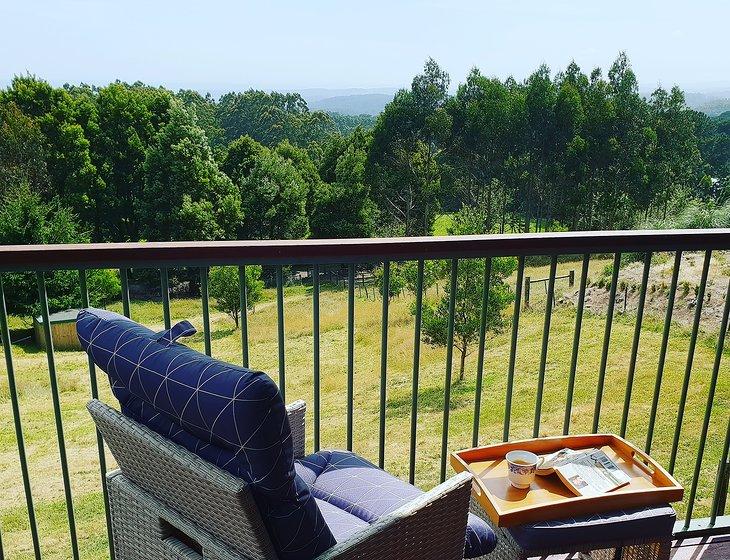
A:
(229, 415)
(627, 525)
(342, 524)
(349, 482)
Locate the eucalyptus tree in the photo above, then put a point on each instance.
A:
(403, 163)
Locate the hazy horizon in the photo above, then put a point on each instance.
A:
(223, 46)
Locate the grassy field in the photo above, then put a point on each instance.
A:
(40, 436)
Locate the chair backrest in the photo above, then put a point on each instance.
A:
(231, 416)
(210, 497)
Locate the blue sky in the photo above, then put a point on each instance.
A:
(220, 45)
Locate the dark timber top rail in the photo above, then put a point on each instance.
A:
(322, 251)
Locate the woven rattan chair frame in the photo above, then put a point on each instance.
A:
(167, 502)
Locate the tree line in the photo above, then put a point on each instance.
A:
(573, 150)
(569, 150)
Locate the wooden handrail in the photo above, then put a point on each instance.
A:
(203, 253)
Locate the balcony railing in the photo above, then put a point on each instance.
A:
(697, 420)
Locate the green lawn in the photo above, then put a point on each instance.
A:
(37, 415)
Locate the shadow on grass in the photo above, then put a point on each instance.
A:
(27, 345)
(431, 399)
(221, 334)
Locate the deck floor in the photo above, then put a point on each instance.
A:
(705, 548)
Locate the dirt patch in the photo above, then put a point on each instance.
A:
(660, 277)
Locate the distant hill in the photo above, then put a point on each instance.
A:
(361, 104)
(712, 104)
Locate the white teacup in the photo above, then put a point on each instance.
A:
(522, 466)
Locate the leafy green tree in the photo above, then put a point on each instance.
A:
(274, 200)
(270, 118)
(713, 137)
(675, 162)
(396, 280)
(468, 300)
(483, 136)
(127, 121)
(300, 159)
(26, 219)
(240, 157)
(344, 208)
(407, 141)
(346, 124)
(186, 196)
(22, 156)
(433, 271)
(224, 287)
(332, 150)
(72, 174)
(206, 114)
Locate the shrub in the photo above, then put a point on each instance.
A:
(224, 288)
(396, 280)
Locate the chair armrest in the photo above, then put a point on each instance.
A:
(296, 412)
(430, 526)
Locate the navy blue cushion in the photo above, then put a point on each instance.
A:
(358, 487)
(342, 524)
(231, 416)
(627, 525)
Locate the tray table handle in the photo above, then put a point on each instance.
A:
(643, 462)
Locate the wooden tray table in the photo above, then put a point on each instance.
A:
(548, 498)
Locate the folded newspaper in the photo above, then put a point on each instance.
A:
(586, 472)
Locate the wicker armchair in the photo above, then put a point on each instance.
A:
(168, 503)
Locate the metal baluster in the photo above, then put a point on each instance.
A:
(15, 406)
(124, 277)
(205, 297)
(416, 372)
(690, 359)
(708, 409)
(316, 361)
(482, 343)
(576, 342)
(280, 328)
(513, 347)
(721, 485)
(663, 351)
(165, 291)
(243, 304)
(606, 341)
(384, 362)
(99, 441)
(48, 337)
(350, 352)
(635, 343)
(449, 365)
(545, 339)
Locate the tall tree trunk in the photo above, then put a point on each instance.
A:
(489, 209)
(462, 360)
(504, 208)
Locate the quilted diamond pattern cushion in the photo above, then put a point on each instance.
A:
(342, 524)
(358, 487)
(231, 416)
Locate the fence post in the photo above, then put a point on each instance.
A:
(527, 292)
(571, 278)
